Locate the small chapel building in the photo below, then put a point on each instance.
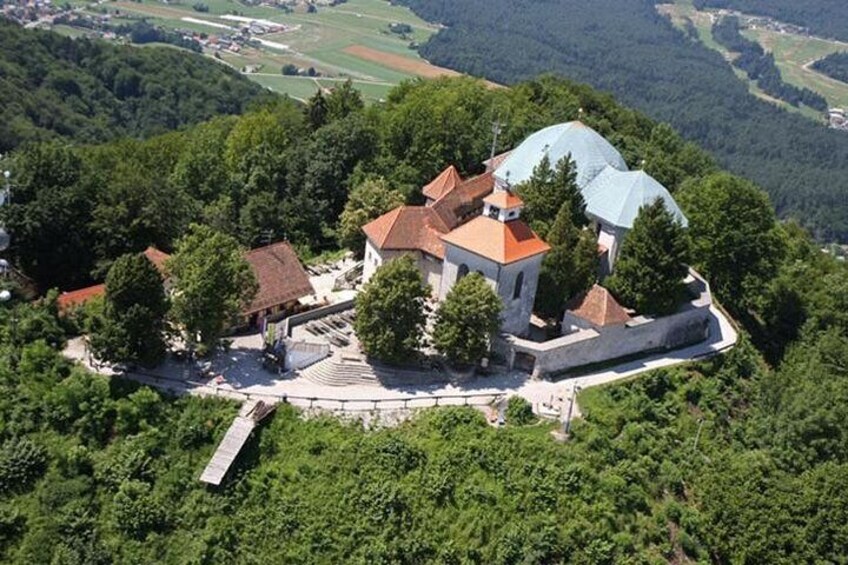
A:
(475, 225)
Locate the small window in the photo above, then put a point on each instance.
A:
(519, 283)
(463, 270)
(494, 212)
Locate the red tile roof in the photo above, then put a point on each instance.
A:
(504, 242)
(494, 163)
(157, 257)
(280, 276)
(465, 200)
(442, 184)
(80, 296)
(408, 228)
(503, 199)
(598, 306)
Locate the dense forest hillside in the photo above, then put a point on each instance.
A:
(826, 18)
(625, 47)
(91, 91)
(834, 66)
(738, 459)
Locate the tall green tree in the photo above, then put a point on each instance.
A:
(734, 235)
(343, 101)
(212, 282)
(368, 201)
(466, 320)
(133, 327)
(652, 263)
(569, 268)
(391, 311)
(545, 192)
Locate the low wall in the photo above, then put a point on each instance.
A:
(289, 323)
(641, 335)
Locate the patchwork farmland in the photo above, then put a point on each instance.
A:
(370, 42)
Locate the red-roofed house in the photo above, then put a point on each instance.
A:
(76, 298)
(282, 281)
(594, 309)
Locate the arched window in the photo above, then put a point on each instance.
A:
(519, 283)
(463, 270)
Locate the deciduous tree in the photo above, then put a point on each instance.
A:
(212, 282)
(366, 202)
(391, 311)
(466, 320)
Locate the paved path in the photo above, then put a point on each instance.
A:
(242, 377)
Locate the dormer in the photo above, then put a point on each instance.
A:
(502, 205)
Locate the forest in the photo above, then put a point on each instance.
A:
(824, 18)
(741, 458)
(834, 65)
(628, 49)
(760, 67)
(90, 91)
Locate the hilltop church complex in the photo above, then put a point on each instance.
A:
(475, 225)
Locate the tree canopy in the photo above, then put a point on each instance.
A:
(212, 283)
(466, 320)
(391, 311)
(648, 273)
(132, 329)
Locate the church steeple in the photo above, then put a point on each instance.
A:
(502, 205)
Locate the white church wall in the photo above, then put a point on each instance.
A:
(429, 266)
(455, 257)
(516, 313)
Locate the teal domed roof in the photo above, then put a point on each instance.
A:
(589, 150)
(615, 197)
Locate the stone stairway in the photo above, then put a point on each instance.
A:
(344, 370)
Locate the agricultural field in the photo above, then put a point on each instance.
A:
(793, 55)
(349, 41)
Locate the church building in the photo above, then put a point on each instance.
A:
(475, 225)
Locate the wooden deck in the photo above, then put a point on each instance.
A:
(251, 413)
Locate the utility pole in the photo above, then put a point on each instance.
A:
(567, 426)
(496, 130)
(698, 435)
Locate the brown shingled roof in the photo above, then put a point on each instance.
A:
(408, 228)
(442, 184)
(504, 242)
(280, 276)
(598, 306)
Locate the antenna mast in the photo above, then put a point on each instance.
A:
(496, 130)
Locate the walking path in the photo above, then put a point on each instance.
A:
(242, 377)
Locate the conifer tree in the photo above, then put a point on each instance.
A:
(391, 311)
(466, 320)
(650, 268)
(569, 268)
(132, 327)
(547, 190)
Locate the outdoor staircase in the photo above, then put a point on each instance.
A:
(347, 370)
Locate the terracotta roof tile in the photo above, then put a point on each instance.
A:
(503, 199)
(157, 257)
(465, 200)
(494, 163)
(502, 242)
(442, 184)
(598, 306)
(412, 228)
(68, 300)
(280, 276)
